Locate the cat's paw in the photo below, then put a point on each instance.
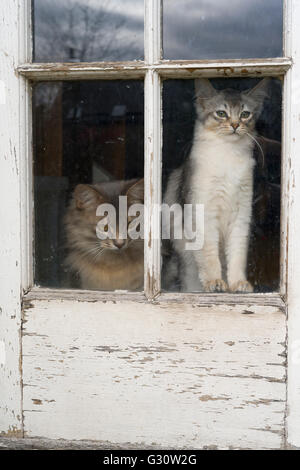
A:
(241, 286)
(215, 285)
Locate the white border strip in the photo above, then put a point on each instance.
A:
(292, 152)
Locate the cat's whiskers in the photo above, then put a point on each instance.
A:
(99, 253)
(95, 251)
(259, 146)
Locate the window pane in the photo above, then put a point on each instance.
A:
(88, 150)
(88, 30)
(218, 29)
(208, 153)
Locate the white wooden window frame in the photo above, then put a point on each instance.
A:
(49, 338)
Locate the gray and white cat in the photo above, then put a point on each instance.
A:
(218, 174)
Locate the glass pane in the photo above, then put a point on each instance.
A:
(88, 30)
(88, 151)
(218, 29)
(222, 155)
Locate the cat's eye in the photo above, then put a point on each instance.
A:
(221, 114)
(245, 114)
(106, 228)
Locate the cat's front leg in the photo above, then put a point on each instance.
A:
(237, 248)
(208, 262)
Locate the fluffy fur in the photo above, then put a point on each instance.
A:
(103, 264)
(219, 174)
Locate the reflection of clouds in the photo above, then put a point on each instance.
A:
(212, 29)
(88, 30)
(212, 9)
(130, 8)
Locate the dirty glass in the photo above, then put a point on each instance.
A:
(218, 29)
(85, 133)
(88, 30)
(183, 123)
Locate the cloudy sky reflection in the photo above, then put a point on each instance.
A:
(88, 30)
(93, 30)
(222, 29)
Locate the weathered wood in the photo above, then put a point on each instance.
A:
(292, 173)
(166, 68)
(153, 145)
(153, 36)
(13, 51)
(181, 371)
(200, 299)
(171, 375)
(153, 149)
(224, 68)
(11, 443)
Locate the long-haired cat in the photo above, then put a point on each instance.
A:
(218, 174)
(103, 264)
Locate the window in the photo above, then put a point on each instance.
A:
(91, 132)
(85, 133)
(88, 31)
(115, 106)
(179, 141)
(210, 30)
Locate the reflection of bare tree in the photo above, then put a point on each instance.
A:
(80, 30)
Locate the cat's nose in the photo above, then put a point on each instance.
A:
(119, 243)
(235, 125)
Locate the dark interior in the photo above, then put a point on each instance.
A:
(84, 132)
(92, 131)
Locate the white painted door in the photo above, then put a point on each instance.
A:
(152, 368)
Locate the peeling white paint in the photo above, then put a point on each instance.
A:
(292, 150)
(175, 375)
(2, 92)
(165, 68)
(129, 371)
(13, 20)
(2, 353)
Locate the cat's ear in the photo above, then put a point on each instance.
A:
(86, 197)
(260, 91)
(135, 193)
(204, 91)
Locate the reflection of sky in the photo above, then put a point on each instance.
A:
(91, 30)
(88, 30)
(219, 29)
